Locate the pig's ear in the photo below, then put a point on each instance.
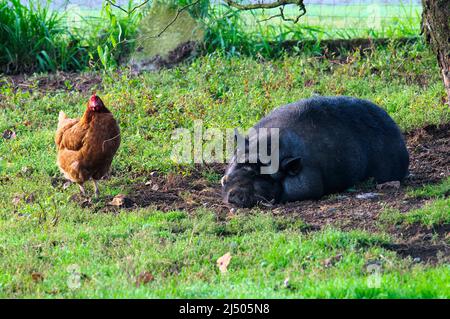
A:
(291, 165)
(238, 136)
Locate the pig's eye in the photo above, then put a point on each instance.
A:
(250, 170)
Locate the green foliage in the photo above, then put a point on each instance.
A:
(228, 31)
(433, 214)
(438, 190)
(116, 35)
(34, 38)
(252, 33)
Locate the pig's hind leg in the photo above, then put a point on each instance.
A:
(306, 185)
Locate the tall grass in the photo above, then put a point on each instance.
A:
(113, 36)
(33, 38)
(238, 33)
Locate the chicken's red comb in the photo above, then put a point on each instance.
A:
(95, 103)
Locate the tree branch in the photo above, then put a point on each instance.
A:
(112, 3)
(272, 5)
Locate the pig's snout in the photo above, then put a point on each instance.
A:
(239, 198)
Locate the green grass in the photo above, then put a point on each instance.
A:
(439, 190)
(435, 213)
(180, 251)
(44, 236)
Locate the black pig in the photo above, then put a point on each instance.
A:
(326, 145)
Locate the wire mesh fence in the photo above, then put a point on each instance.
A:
(346, 18)
(323, 18)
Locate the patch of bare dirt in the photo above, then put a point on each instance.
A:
(422, 252)
(59, 81)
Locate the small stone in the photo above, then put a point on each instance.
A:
(154, 174)
(155, 187)
(121, 201)
(148, 183)
(286, 283)
(367, 195)
(417, 260)
(8, 134)
(387, 185)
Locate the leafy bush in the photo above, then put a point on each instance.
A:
(33, 38)
(115, 36)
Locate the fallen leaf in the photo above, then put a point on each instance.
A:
(37, 276)
(144, 278)
(121, 201)
(387, 185)
(223, 262)
(332, 260)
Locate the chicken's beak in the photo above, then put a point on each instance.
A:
(95, 103)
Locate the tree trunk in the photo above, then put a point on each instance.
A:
(436, 29)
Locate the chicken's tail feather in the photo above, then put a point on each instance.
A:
(62, 116)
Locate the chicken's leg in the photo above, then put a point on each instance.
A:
(82, 189)
(97, 192)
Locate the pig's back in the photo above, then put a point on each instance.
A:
(348, 139)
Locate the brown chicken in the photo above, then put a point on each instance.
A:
(87, 146)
